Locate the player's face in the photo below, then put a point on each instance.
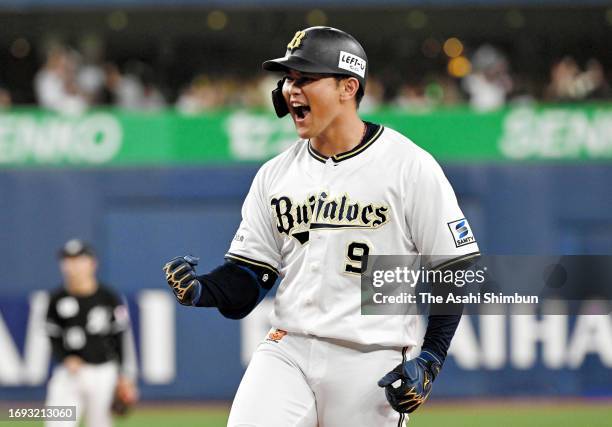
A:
(313, 101)
(78, 268)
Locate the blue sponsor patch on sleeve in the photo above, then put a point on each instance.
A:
(461, 232)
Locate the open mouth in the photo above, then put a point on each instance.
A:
(301, 111)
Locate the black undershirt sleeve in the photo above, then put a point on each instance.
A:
(440, 332)
(235, 288)
(441, 327)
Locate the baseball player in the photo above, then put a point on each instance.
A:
(86, 323)
(314, 213)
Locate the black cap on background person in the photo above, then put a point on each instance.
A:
(76, 247)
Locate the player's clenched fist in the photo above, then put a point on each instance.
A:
(181, 276)
(416, 376)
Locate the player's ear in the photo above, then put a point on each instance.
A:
(348, 88)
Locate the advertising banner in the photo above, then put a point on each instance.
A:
(31, 137)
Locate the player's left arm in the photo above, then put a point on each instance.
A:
(431, 215)
(126, 389)
(417, 375)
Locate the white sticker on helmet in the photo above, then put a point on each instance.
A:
(352, 63)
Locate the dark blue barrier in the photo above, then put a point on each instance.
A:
(570, 356)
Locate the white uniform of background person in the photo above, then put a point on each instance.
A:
(89, 328)
(386, 196)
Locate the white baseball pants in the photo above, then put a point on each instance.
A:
(91, 390)
(304, 381)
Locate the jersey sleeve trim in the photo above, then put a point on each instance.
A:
(453, 261)
(251, 261)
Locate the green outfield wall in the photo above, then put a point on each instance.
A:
(31, 137)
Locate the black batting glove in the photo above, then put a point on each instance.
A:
(416, 377)
(181, 276)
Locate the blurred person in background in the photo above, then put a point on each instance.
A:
(251, 95)
(523, 91)
(136, 89)
(200, 96)
(206, 93)
(569, 83)
(489, 84)
(595, 81)
(55, 84)
(444, 90)
(5, 98)
(86, 322)
(434, 91)
(411, 96)
(563, 75)
(374, 95)
(90, 75)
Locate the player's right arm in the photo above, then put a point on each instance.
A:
(249, 272)
(233, 288)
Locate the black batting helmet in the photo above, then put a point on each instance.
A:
(323, 50)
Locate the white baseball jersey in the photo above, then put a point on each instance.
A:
(313, 219)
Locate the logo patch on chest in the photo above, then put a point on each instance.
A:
(324, 212)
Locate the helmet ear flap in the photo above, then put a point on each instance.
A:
(278, 100)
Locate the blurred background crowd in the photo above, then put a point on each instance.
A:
(203, 60)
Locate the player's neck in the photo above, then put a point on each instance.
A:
(342, 135)
(82, 287)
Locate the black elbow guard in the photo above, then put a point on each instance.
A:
(235, 288)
